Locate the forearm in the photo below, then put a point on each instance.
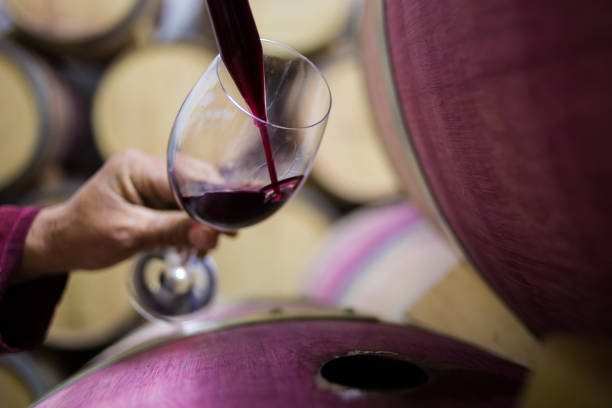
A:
(26, 303)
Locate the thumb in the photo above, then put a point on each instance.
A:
(173, 228)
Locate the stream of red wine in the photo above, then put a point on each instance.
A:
(240, 49)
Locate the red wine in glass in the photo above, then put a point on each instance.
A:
(240, 49)
(233, 209)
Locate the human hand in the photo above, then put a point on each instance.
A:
(123, 209)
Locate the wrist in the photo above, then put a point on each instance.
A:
(39, 257)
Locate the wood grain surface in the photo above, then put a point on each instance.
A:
(463, 306)
(507, 105)
(276, 364)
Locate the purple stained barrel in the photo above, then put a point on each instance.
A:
(505, 107)
(277, 358)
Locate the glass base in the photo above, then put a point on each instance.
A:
(172, 286)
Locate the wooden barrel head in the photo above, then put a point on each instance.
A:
(506, 106)
(271, 258)
(69, 20)
(572, 372)
(24, 378)
(20, 121)
(461, 305)
(38, 119)
(90, 30)
(14, 392)
(304, 25)
(140, 96)
(95, 308)
(351, 162)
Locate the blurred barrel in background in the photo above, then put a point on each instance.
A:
(390, 261)
(461, 305)
(571, 372)
(271, 258)
(306, 26)
(140, 95)
(351, 162)
(37, 119)
(82, 28)
(379, 260)
(185, 20)
(95, 307)
(24, 378)
(94, 310)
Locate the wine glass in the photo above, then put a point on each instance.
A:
(220, 174)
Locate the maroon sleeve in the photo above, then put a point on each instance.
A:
(25, 309)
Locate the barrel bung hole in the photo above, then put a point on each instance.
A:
(373, 371)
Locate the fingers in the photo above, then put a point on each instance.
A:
(143, 179)
(172, 228)
(188, 169)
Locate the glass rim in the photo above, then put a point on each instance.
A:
(268, 123)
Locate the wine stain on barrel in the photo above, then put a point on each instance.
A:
(373, 371)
